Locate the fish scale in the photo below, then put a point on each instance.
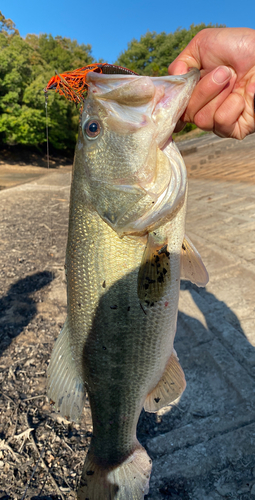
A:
(125, 251)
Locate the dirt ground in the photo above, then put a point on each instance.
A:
(41, 454)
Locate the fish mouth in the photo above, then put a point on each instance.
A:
(136, 100)
(154, 105)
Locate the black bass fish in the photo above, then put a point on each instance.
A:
(126, 253)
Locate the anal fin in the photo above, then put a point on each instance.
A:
(169, 388)
(65, 387)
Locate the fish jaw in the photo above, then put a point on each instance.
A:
(132, 98)
(129, 166)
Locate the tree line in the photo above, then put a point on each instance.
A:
(27, 64)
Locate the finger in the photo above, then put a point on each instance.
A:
(205, 117)
(201, 111)
(227, 116)
(207, 89)
(249, 114)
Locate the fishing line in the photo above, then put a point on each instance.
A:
(48, 167)
(47, 129)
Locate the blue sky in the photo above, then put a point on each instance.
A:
(109, 25)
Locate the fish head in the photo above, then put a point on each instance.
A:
(125, 163)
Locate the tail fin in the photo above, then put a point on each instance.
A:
(127, 481)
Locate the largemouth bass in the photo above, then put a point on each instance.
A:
(126, 252)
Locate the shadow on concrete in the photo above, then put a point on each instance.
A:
(18, 307)
(214, 305)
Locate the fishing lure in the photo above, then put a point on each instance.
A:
(73, 85)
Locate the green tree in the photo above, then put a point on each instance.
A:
(7, 26)
(15, 75)
(153, 53)
(63, 54)
(25, 69)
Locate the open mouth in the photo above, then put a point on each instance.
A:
(151, 183)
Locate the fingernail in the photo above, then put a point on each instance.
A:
(222, 74)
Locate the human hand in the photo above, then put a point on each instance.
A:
(223, 100)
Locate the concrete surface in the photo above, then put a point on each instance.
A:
(210, 157)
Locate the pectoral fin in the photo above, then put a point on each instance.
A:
(65, 387)
(154, 272)
(192, 266)
(169, 388)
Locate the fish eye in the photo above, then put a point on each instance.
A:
(92, 129)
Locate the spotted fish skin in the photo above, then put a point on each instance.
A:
(123, 261)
